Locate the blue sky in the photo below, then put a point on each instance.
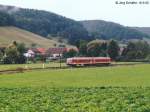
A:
(128, 15)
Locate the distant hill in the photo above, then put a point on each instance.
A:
(48, 24)
(109, 30)
(145, 30)
(9, 34)
(43, 23)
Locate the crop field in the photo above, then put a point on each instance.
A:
(99, 89)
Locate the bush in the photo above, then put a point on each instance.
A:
(20, 59)
(70, 53)
(7, 60)
(148, 58)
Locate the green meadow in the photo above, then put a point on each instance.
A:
(31, 66)
(99, 89)
(121, 76)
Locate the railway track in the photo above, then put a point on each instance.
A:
(21, 70)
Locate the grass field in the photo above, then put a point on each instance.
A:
(50, 64)
(31, 66)
(9, 34)
(100, 89)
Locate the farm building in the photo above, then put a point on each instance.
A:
(41, 51)
(35, 51)
(29, 54)
(55, 52)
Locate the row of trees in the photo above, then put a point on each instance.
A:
(133, 51)
(136, 51)
(98, 48)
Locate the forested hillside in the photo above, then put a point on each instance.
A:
(110, 30)
(48, 24)
(43, 23)
(145, 30)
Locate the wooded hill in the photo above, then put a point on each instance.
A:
(42, 23)
(48, 24)
(145, 30)
(108, 30)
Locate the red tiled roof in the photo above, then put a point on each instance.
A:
(56, 50)
(41, 50)
(38, 50)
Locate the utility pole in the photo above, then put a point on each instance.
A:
(60, 59)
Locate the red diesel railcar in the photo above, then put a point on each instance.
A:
(85, 61)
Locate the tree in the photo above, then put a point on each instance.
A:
(93, 49)
(104, 49)
(113, 49)
(6, 19)
(97, 48)
(14, 53)
(21, 48)
(1, 56)
(11, 55)
(70, 53)
(129, 52)
(21, 59)
(143, 49)
(136, 50)
(82, 47)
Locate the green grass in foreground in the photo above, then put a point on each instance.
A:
(102, 89)
(138, 75)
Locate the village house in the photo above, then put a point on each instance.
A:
(35, 52)
(50, 53)
(55, 52)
